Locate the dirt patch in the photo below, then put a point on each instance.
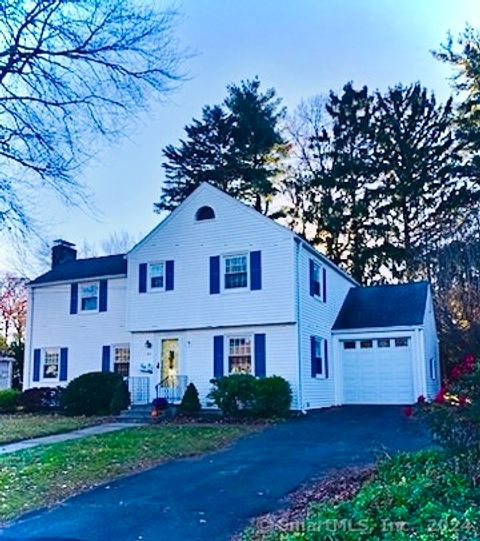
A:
(336, 486)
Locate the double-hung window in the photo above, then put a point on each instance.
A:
(240, 355)
(316, 274)
(236, 271)
(51, 363)
(318, 359)
(156, 276)
(121, 359)
(89, 297)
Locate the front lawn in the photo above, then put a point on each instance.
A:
(23, 426)
(48, 474)
(411, 496)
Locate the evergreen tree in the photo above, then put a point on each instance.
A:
(236, 146)
(426, 189)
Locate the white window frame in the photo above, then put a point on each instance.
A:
(227, 352)
(121, 346)
(149, 276)
(224, 272)
(81, 285)
(55, 350)
(320, 342)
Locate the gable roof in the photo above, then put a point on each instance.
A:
(383, 306)
(93, 267)
(205, 186)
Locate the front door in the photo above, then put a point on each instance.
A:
(169, 372)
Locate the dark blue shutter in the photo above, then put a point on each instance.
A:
(325, 344)
(312, 281)
(63, 364)
(142, 278)
(36, 364)
(313, 359)
(102, 304)
(217, 356)
(255, 270)
(73, 298)
(106, 359)
(324, 285)
(169, 275)
(214, 274)
(260, 365)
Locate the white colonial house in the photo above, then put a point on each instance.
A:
(216, 288)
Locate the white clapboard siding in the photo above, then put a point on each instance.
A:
(196, 354)
(316, 319)
(431, 350)
(235, 229)
(50, 324)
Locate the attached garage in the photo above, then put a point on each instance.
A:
(370, 366)
(386, 349)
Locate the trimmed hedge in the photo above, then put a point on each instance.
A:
(95, 393)
(38, 399)
(9, 400)
(190, 402)
(245, 395)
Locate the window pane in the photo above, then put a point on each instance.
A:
(316, 279)
(89, 297)
(50, 364)
(236, 274)
(240, 356)
(349, 345)
(366, 344)
(401, 342)
(156, 275)
(383, 342)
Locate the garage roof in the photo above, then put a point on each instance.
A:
(93, 267)
(383, 306)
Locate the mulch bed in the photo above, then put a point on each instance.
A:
(337, 486)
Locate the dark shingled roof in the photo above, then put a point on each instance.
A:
(93, 267)
(383, 306)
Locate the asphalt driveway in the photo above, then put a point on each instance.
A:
(211, 497)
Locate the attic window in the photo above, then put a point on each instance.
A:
(204, 213)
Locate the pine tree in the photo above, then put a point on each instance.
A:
(236, 146)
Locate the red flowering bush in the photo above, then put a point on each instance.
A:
(453, 417)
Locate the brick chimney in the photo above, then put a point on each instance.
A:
(62, 251)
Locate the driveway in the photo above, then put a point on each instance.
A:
(211, 497)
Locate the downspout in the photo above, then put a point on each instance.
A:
(299, 323)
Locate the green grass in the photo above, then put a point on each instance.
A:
(48, 474)
(21, 426)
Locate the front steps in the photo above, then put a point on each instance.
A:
(141, 413)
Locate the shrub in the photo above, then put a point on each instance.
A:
(190, 402)
(234, 394)
(273, 397)
(91, 394)
(453, 417)
(120, 399)
(40, 399)
(9, 400)
(160, 404)
(412, 496)
(242, 394)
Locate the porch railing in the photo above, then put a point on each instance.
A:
(172, 388)
(139, 389)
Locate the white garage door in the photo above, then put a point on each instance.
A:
(377, 371)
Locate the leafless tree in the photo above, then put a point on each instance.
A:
(72, 71)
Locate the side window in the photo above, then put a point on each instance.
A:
(317, 271)
(240, 355)
(433, 368)
(121, 359)
(156, 276)
(89, 297)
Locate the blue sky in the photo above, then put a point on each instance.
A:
(300, 47)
